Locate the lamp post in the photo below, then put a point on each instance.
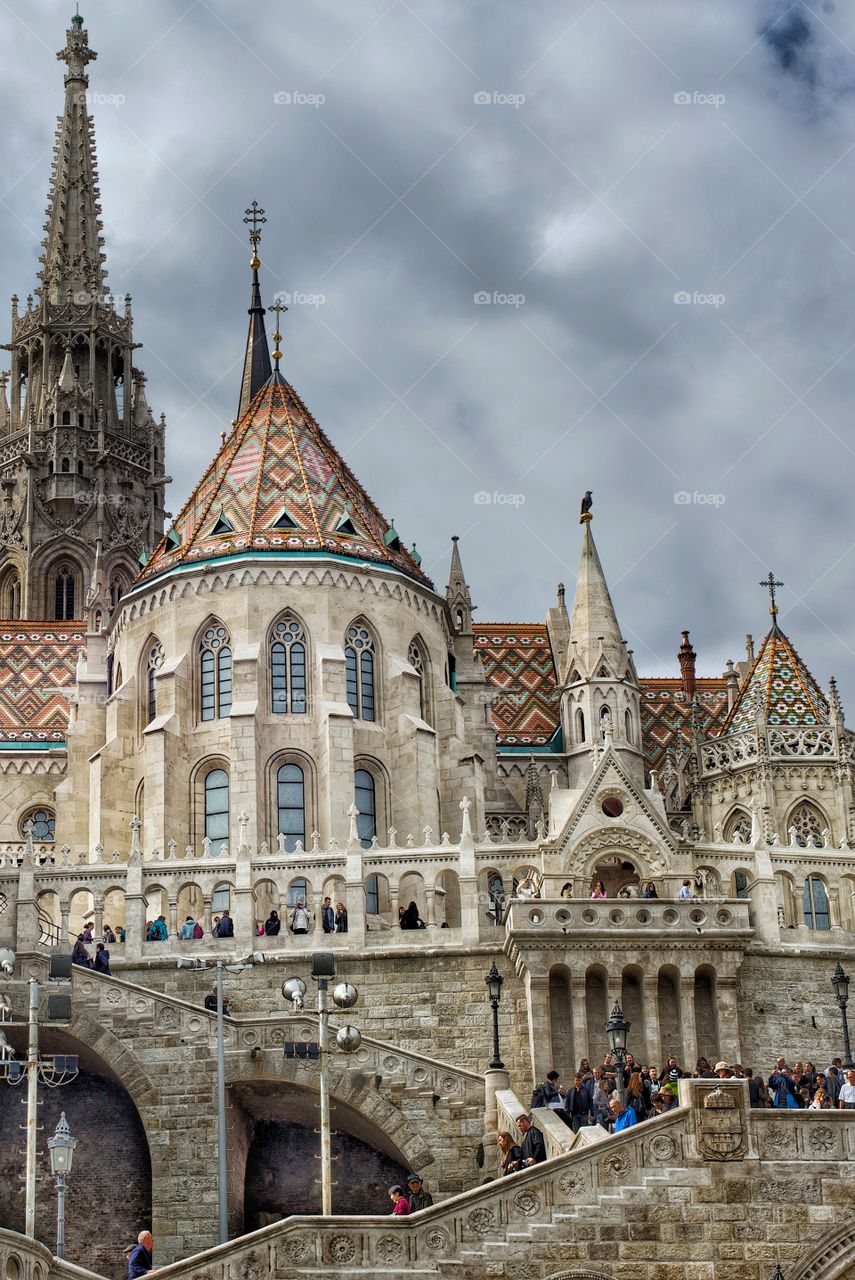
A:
(348, 1040)
(61, 1147)
(840, 982)
(618, 1028)
(779, 1275)
(494, 981)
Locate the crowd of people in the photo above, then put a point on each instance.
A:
(594, 1096)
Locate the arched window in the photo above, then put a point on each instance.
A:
(63, 593)
(291, 805)
(740, 884)
(10, 595)
(217, 808)
(417, 660)
(359, 655)
(118, 587)
(627, 724)
(65, 465)
(580, 725)
(816, 904)
(366, 802)
(298, 889)
(287, 667)
(738, 829)
(44, 824)
(806, 822)
(215, 673)
(66, 422)
(154, 661)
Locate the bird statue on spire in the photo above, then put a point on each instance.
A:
(587, 503)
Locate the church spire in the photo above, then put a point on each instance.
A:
(256, 364)
(457, 593)
(595, 634)
(72, 262)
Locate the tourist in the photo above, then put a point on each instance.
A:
(410, 918)
(328, 916)
(527, 888)
(599, 890)
(567, 890)
(300, 918)
(546, 1092)
(226, 927)
(578, 1104)
(635, 1097)
(650, 890)
(821, 1102)
(107, 935)
(399, 1200)
(87, 931)
(663, 1102)
(723, 1071)
(600, 1102)
(846, 1099)
(102, 959)
(686, 890)
(211, 1003)
(758, 1094)
(703, 1069)
(79, 954)
(624, 1117)
(139, 1263)
(416, 1194)
(198, 931)
(833, 1082)
(120, 932)
(783, 1089)
(532, 1147)
(665, 1074)
(510, 1153)
(259, 928)
(808, 1077)
(187, 930)
(158, 931)
(340, 918)
(272, 924)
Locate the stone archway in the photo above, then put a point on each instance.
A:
(832, 1259)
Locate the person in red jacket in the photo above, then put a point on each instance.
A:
(399, 1200)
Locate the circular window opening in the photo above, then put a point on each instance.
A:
(612, 807)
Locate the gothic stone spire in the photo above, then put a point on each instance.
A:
(256, 362)
(457, 593)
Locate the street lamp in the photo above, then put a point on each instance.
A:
(61, 1147)
(348, 1039)
(618, 1028)
(840, 982)
(779, 1275)
(494, 981)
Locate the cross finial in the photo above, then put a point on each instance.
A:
(278, 307)
(770, 584)
(254, 216)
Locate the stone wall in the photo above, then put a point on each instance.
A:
(787, 1006)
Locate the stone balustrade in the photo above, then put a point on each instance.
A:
(779, 742)
(725, 916)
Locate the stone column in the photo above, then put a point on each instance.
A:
(728, 1019)
(430, 900)
(687, 1021)
(64, 914)
(494, 1080)
(539, 1024)
(579, 1015)
(173, 917)
(318, 922)
(650, 1002)
(206, 916)
(394, 889)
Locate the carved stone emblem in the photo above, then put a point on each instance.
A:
(389, 1249)
(821, 1139)
(721, 1131)
(480, 1220)
(437, 1238)
(342, 1249)
(527, 1202)
(663, 1148)
(572, 1185)
(295, 1248)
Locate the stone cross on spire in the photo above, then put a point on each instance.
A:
(77, 54)
(770, 583)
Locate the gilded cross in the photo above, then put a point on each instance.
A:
(770, 584)
(278, 307)
(255, 217)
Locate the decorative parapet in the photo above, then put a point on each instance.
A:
(564, 917)
(781, 742)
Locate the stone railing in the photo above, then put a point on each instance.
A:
(783, 742)
(567, 916)
(24, 1259)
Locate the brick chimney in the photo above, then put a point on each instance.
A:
(686, 657)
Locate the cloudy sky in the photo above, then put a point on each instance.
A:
(533, 249)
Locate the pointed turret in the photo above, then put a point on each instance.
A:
(601, 694)
(256, 362)
(72, 262)
(457, 593)
(67, 379)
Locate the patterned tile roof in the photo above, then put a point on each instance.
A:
(666, 717)
(38, 661)
(279, 485)
(517, 659)
(781, 684)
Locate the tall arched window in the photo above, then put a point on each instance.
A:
(816, 904)
(366, 802)
(63, 593)
(10, 595)
(740, 884)
(287, 667)
(417, 660)
(217, 808)
(291, 805)
(359, 655)
(215, 673)
(154, 661)
(808, 826)
(44, 824)
(580, 725)
(738, 829)
(118, 587)
(627, 725)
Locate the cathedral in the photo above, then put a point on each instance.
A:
(269, 701)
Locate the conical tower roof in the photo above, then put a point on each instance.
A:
(779, 687)
(278, 487)
(594, 629)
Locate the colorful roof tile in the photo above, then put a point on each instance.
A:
(780, 684)
(38, 662)
(666, 716)
(517, 659)
(280, 486)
